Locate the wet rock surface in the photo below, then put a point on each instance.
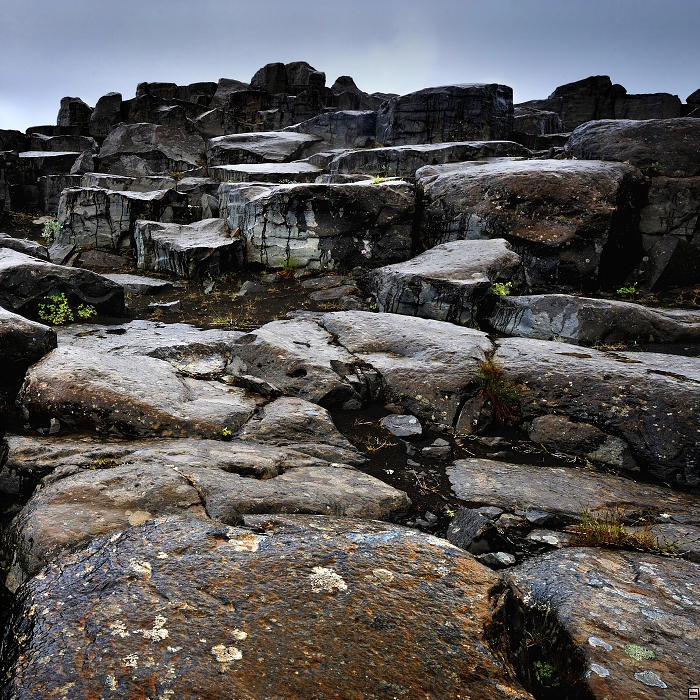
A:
(23, 342)
(144, 593)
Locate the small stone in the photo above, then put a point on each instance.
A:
(165, 305)
(490, 512)
(411, 463)
(496, 560)
(537, 517)
(508, 520)
(402, 425)
(440, 449)
(411, 450)
(431, 517)
(251, 287)
(54, 426)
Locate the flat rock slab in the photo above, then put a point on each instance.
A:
(25, 281)
(91, 217)
(403, 161)
(21, 245)
(23, 342)
(425, 366)
(451, 282)
(632, 617)
(139, 284)
(566, 492)
(196, 250)
(582, 320)
(669, 147)
(191, 351)
(320, 225)
(650, 400)
(260, 147)
(142, 603)
(136, 397)
(266, 172)
(573, 221)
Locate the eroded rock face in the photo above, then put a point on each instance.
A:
(451, 282)
(151, 606)
(261, 147)
(26, 281)
(91, 217)
(322, 226)
(23, 342)
(650, 400)
(449, 113)
(403, 161)
(344, 129)
(73, 112)
(195, 250)
(572, 222)
(136, 398)
(582, 320)
(633, 617)
(669, 147)
(425, 366)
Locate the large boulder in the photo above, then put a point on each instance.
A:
(26, 281)
(121, 183)
(344, 129)
(261, 147)
(142, 602)
(451, 282)
(133, 397)
(448, 113)
(322, 226)
(629, 620)
(279, 173)
(62, 143)
(91, 217)
(150, 149)
(658, 105)
(575, 319)
(427, 367)
(669, 147)
(224, 88)
(23, 342)
(650, 400)
(73, 112)
(50, 188)
(202, 248)
(106, 115)
(21, 245)
(403, 161)
(573, 222)
(13, 140)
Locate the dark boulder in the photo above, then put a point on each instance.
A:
(74, 112)
(449, 113)
(348, 129)
(23, 342)
(106, 115)
(260, 147)
(21, 245)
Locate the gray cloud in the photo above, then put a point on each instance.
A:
(86, 48)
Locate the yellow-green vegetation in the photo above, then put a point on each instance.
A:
(630, 291)
(546, 674)
(226, 433)
(500, 392)
(501, 289)
(638, 653)
(103, 463)
(378, 179)
(51, 229)
(56, 310)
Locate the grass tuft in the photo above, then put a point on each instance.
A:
(501, 393)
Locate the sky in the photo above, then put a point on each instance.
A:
(86, 48)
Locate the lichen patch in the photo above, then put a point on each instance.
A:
(326, 580)
(226, 655)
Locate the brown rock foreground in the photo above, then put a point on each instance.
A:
(298, 607)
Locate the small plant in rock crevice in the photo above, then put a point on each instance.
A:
(57, 311)
(500, 392)
(501, 289)
(51, 229)
(631, 291)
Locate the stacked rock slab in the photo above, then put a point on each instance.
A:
(317, 573)
(322, 226)
(202, 248)
(92, 217)
(449, 113)
(572, 222)
(262, 147)
(344, 129)
(451, 282)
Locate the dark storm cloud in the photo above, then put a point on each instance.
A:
(87, 48)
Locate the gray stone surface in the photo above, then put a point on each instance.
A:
(402, 425)
(49, 189)
(91, 217)
(649, 400)
(21, 245)
(475, 533)
(576, 319)
(403, 161)
(280, 173)
(450, 282)
(138, 284)
(144, 397)
(342, 129)
(260, 147)
(448, 113)
(669, 147)
(572, 221)
(23, 342)
(632, 617)
(324, 226)
(26, 281)
(195, 250)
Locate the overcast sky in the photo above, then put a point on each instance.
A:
(86, 48)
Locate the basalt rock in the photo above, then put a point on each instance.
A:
(21, 245)
(451, 282)
(344, 129)
(322, 226)
(261, 147)
(669, 147)
(26, 281)
(106, 115)
(196, 250)
(73, 112)
(278, 173)
(572, 222)
(91, 217)
(23, 342)
(151, 605)
(449, 113)
(576, 319)
(404, 161)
